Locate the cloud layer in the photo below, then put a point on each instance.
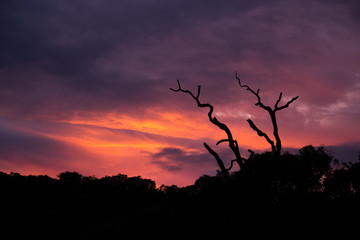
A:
(90, 79)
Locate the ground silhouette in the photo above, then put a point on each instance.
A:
(291, 196)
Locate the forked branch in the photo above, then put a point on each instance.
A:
(276, 148)
(232, 143)
(259, 103)
(285, 105)
(196, 98)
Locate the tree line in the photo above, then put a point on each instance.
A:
(288, 195)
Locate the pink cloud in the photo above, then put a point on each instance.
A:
(92, 83)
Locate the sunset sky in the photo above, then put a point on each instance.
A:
(84, 85)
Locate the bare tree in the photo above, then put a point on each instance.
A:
(275, 147)
(233, 144)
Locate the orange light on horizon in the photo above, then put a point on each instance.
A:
(100, 132)
(107, 144)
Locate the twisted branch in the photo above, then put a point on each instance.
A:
(275, 148)
(232, 143)
(261, 134)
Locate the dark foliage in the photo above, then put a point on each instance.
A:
(306, 195)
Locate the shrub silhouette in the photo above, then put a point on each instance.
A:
(70, 177)
(344, 182)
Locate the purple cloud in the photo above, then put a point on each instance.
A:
(65, 59)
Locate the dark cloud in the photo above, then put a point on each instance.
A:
(64, 37)
(167, 165)
(68, 58)
(19, 149)
(57, 47)
(346, 152)
(175, 159)
(124, 53)
(170, 152)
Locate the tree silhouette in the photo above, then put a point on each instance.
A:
(344, 182)
(275, 147)
(233, 144)
(70, 177)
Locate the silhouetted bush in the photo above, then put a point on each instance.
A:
(70, 177)
(344, 182)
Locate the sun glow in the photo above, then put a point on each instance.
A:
(109, 143)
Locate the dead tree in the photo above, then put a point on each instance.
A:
(275, 147)
(233, 145)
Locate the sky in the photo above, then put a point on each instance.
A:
(84, 84)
